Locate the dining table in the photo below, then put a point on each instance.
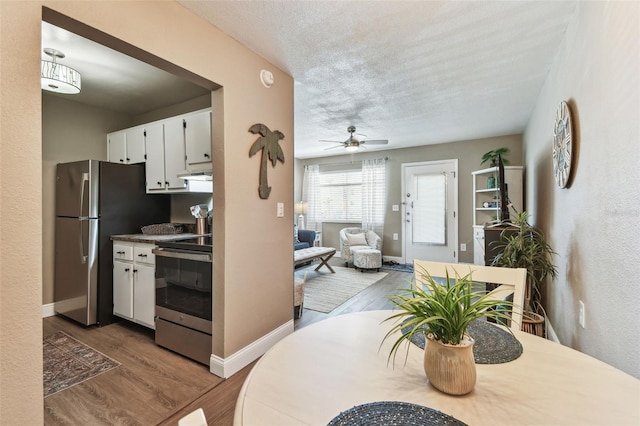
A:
(338, 371)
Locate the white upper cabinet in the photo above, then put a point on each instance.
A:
(170, 147)
(154, 143)
(117, 147)
(174, 152)
(135, 145)
(197, 136)
(126, 146)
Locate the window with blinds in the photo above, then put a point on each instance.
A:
(340, 192)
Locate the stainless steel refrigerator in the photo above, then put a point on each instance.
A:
(94, 200)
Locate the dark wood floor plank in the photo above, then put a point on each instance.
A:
(219, 404)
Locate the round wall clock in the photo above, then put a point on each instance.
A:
(562, 145)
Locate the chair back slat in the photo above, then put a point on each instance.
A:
(511, 280)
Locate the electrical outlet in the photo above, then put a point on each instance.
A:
(463, 247)
(395, 208)
(581, 314)
(395, 235)
(280, 210)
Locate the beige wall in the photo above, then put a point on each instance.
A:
(468, 154)
(246, 280)
(593, 225)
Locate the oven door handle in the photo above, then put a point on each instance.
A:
(182, 255)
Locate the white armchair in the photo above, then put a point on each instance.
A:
(357, 237)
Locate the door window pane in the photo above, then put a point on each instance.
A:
(430, 209)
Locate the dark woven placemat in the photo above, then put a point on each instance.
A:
(392, 413)
(493, 345)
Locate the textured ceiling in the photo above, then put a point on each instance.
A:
(413, 72)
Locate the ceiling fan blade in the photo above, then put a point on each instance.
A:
(376, 142)
(325, 140)
(333, 147)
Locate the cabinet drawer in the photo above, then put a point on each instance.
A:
(122, 252)
(142, 254)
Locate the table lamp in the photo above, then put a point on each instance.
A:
(301, 209)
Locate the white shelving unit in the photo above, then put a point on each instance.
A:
(486, 206)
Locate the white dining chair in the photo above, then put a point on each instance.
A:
(195, 418)
(510, 280)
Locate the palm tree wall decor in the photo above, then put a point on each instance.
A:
(269, 143)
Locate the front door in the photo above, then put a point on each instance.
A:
(430, 191)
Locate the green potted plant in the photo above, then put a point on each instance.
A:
(443, 311)
(525, 246)
(492, 156)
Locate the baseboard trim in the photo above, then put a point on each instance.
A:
(48, 310)
(227, 367)
(551, 333)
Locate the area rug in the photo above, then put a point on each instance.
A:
(395, 266)
(68, 362)
(327, 291)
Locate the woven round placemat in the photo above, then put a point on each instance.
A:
(493, 344)
(392, 413)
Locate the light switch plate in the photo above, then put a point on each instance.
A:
(280, 210)
(395, 208)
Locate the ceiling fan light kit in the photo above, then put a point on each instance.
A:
(59, 78)
(352, 147)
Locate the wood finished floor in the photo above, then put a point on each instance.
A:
(154, 386)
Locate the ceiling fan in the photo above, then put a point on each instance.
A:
(355, 141)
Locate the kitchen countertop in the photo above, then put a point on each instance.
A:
(152, 239)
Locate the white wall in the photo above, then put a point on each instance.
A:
(593, 225)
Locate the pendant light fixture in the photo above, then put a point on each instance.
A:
(59, 78)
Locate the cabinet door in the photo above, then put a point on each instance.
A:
(123, 289)
(117, 147)
(197, 135)
(478, 245)
(174, 153)
(154, 146)
(144, 295)
(135, 145)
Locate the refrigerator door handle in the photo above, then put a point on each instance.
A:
(83, 256)
(85, 179)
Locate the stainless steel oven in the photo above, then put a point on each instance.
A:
(184, 297)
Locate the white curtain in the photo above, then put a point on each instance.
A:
(310, 195)
(374, 195)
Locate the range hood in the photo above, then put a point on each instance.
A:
(204, 175)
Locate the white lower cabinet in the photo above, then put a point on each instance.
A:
(134, 282)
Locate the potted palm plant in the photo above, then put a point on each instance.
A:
(443, 311)
(492, 156)
(525, 246)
